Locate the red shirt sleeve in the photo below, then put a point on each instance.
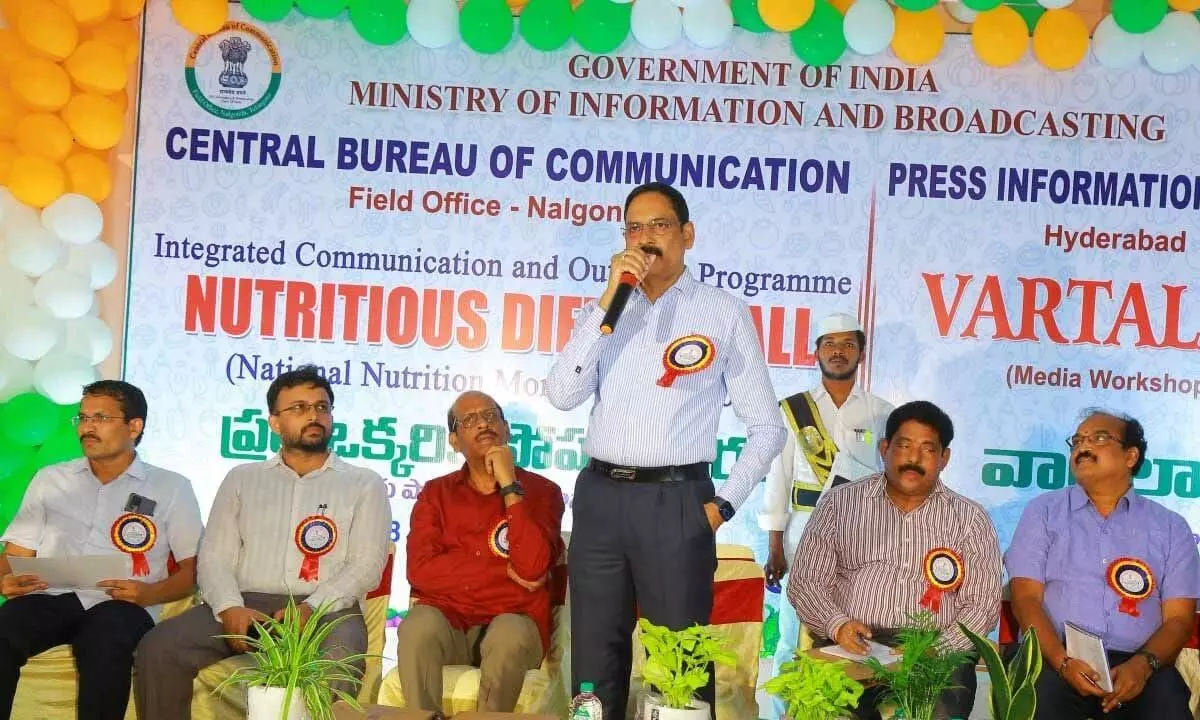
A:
(535, 528)
(433, 568)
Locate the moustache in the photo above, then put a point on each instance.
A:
(486, 433)
(89, 436)
(915, 468)
(651, 250)
(313, 425)
(1083, 454)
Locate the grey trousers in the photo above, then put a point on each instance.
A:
(503, 651)
(173, 653)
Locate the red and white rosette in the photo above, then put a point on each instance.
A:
(1132, 580)
(943, 573)
(315, 536)
(135, 534)
(686, 355)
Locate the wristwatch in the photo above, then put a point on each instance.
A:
(513, 488)
(723, 507)
(1151, 658)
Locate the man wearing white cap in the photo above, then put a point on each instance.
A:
(835, 429)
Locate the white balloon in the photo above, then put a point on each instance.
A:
(63, 294)
(869, 26)
(31, 333)
(655, 24)
(707, 23)
(1054, 4)
(75, 218)
(16, 290)
(961, 13)
(433, 23)
(33, 249)
(61, 376)
(1113, 47)
(16, 376)
(95, 261)
(18, 216)
(89, 337)
(1174, 44)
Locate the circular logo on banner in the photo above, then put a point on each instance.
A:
(316, 535)
(499, 539)
(1131, 578)
(233, 73)
(133, 533)
(943, 569)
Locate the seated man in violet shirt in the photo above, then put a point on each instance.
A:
(481, 545)
(1120, 566)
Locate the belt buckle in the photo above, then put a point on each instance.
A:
(622, 473)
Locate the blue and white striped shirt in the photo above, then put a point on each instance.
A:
(635, 421)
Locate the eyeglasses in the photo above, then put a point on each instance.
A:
(654, 227)
(300, 409)
(1100, 438)
(475, 419)
(98, 418)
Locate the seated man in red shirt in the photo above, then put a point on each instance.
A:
(481, 545)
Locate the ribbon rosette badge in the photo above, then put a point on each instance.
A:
(498, 540)
(135, 534)
(943, 573)
(315, 536)
(1133, 581)
(689, 354)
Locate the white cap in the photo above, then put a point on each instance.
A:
(838, 323)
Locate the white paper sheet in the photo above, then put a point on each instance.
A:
(882, 653)
(76, 573)
(1083, 645)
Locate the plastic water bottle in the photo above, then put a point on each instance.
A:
(586, 706)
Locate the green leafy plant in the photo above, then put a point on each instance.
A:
(815, 689)
(1014, 695)
(924, 671)
(289, 656)
(678, 660)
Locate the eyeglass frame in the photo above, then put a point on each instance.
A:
(302, 409)
(654, 228)
(1100, 438)
(81, 419)
(496, 411)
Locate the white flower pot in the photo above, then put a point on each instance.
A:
(266, 703)
(654, 709)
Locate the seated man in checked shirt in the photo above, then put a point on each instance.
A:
(480, 548)
(860, 567)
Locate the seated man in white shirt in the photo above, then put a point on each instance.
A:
(107, 503)
(303, 524)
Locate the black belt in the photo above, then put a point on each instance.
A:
(666, 473)
(809, 498)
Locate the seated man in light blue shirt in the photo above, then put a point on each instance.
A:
(1115, 564)
(107, 503)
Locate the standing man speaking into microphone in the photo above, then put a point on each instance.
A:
(645, 510)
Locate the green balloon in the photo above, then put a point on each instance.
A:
(745, 14)
(67, 412)
(916, 5)
(981, 5)
(381, 22)
(12, 488)
(267, 10)
(546, 24)
(62, 445)
(1030, 14)
(821, 40)
(1138, 16)
(600, 26)
(486, 26)
(13, 457)
(321, 9)
(28, 419)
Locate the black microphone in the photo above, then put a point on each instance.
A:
(627, 283)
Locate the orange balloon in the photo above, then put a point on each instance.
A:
(121, 100)
(919, 36)
(45, 135)
(41, 84)
(1000, 36)
(1060, 40)
(785, 15)
(47, 28)
(89, 175)
(8, 152)
(10, 112)
(89, 12)
(36, 181)
(95, 120)
(119, 33)
(8, 8)
(12, 49)
(841, 5)
(98, 67)
(125, 9)
(1184, 5)
(205, 17)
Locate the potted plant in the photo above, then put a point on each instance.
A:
(924, 671)
(1014, 693)
(815, 689)
(677, 667)
(291, 675)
